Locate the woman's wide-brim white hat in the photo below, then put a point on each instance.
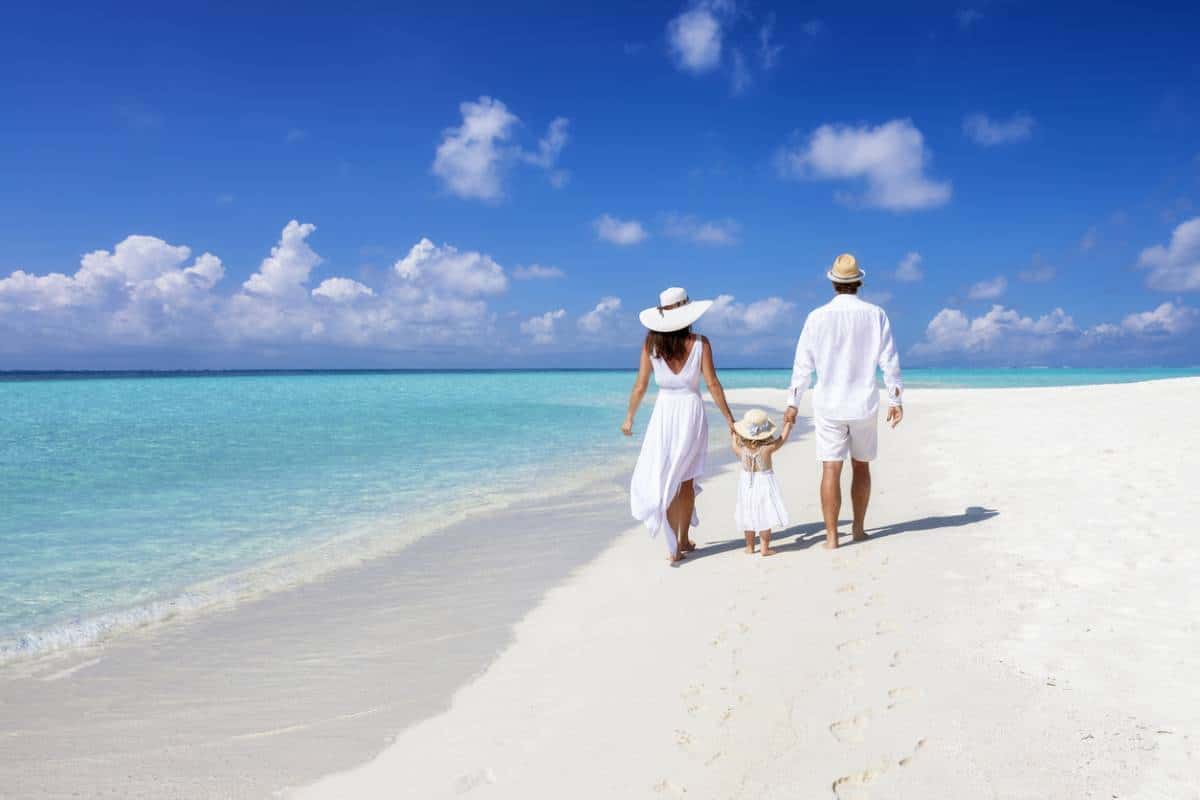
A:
(845, 269)
(674, 312)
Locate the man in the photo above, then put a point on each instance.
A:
(843, 341)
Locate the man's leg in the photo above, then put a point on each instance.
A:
(860, 496)
(831, 500)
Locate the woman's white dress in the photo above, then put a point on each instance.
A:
(759, 501)
(675, 446)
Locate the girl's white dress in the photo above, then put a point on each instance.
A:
(759, 501)
(675, 445)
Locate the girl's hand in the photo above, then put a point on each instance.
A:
(627, 427)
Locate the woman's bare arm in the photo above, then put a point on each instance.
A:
(640, 384)
(713, 383)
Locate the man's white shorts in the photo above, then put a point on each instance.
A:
(838, 439)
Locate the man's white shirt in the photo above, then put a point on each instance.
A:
(843, 341)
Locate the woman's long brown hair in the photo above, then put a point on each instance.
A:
(668, 346)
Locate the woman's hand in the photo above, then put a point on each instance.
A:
(627, 427)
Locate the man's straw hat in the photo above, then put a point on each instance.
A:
(755, 426)
(845, 269)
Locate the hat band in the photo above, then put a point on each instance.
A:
(682, 302)
(755, 430)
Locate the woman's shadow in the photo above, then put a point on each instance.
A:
(812, 533)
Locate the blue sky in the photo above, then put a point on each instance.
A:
(1021, 183)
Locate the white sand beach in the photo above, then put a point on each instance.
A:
(1022, 624)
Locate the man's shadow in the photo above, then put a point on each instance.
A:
(813, 533)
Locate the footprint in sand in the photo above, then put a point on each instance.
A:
(850, 730)
(883, 627)
(847, 587)
(668, 787)
(851, 646)
(845, 613)
(897, 657)
(473, 780)
(901, 695)
(854, 786)
(920, 745)
(683, 738)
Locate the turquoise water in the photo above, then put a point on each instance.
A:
(128, 499)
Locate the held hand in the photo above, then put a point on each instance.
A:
(627, 427)
(789, 416)
(895, 414)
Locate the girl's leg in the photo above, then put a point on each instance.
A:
(687, 498)
(749, 541)
(674, 551)
(766, 543)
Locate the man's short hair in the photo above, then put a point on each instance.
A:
(847, 288)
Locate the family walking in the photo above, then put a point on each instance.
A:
(842, 341)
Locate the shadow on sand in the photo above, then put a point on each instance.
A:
(813, 533)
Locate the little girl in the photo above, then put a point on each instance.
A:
(759, 502)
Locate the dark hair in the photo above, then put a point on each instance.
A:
(847, 288)
(670, 346)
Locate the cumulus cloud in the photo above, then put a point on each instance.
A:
(541, 327)
(890, 159)
(1175, 267)
(729, 316)
(694, 38)
(472, 159)
(988, 290)
(446, 269)
(909, 268)
(536, 272)
(952, 331)
(342, 290)
(768, 51)
(618, 231)
(1168, 319)
(597, 320)
(146, 293)
(984, 130)
(712, 232)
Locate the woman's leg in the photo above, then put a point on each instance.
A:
(749, 541)
(674, 549)
(687, 501)
(766, 543)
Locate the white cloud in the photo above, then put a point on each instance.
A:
(146, 293)
(341, 290)
(446, 269)
(536, 272)
(988, 290)
(768, 51)
(596, 320)
(982, 129)
(617, 231)
(890, 158)
(1175, 267)
(470, 158)
(550, 147)
(729, 316)
(295, 135)
(1168, 319)
(286, 270)
(694, 39)
(951, 331)
(1038, 272)
(712, 232)
(541, 327)
(909, 268)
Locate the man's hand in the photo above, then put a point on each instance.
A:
(895, 414)
(790, 415)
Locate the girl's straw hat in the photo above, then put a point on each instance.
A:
(755, 426)
(674, 312)
(845, 269)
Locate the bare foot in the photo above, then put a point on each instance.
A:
(830, 544)
(750, 549)
(687, 546)
(860, 536)
(674, 559)
(767, 551)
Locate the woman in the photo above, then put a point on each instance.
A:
(663, 491)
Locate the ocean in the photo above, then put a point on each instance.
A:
(128, 498)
